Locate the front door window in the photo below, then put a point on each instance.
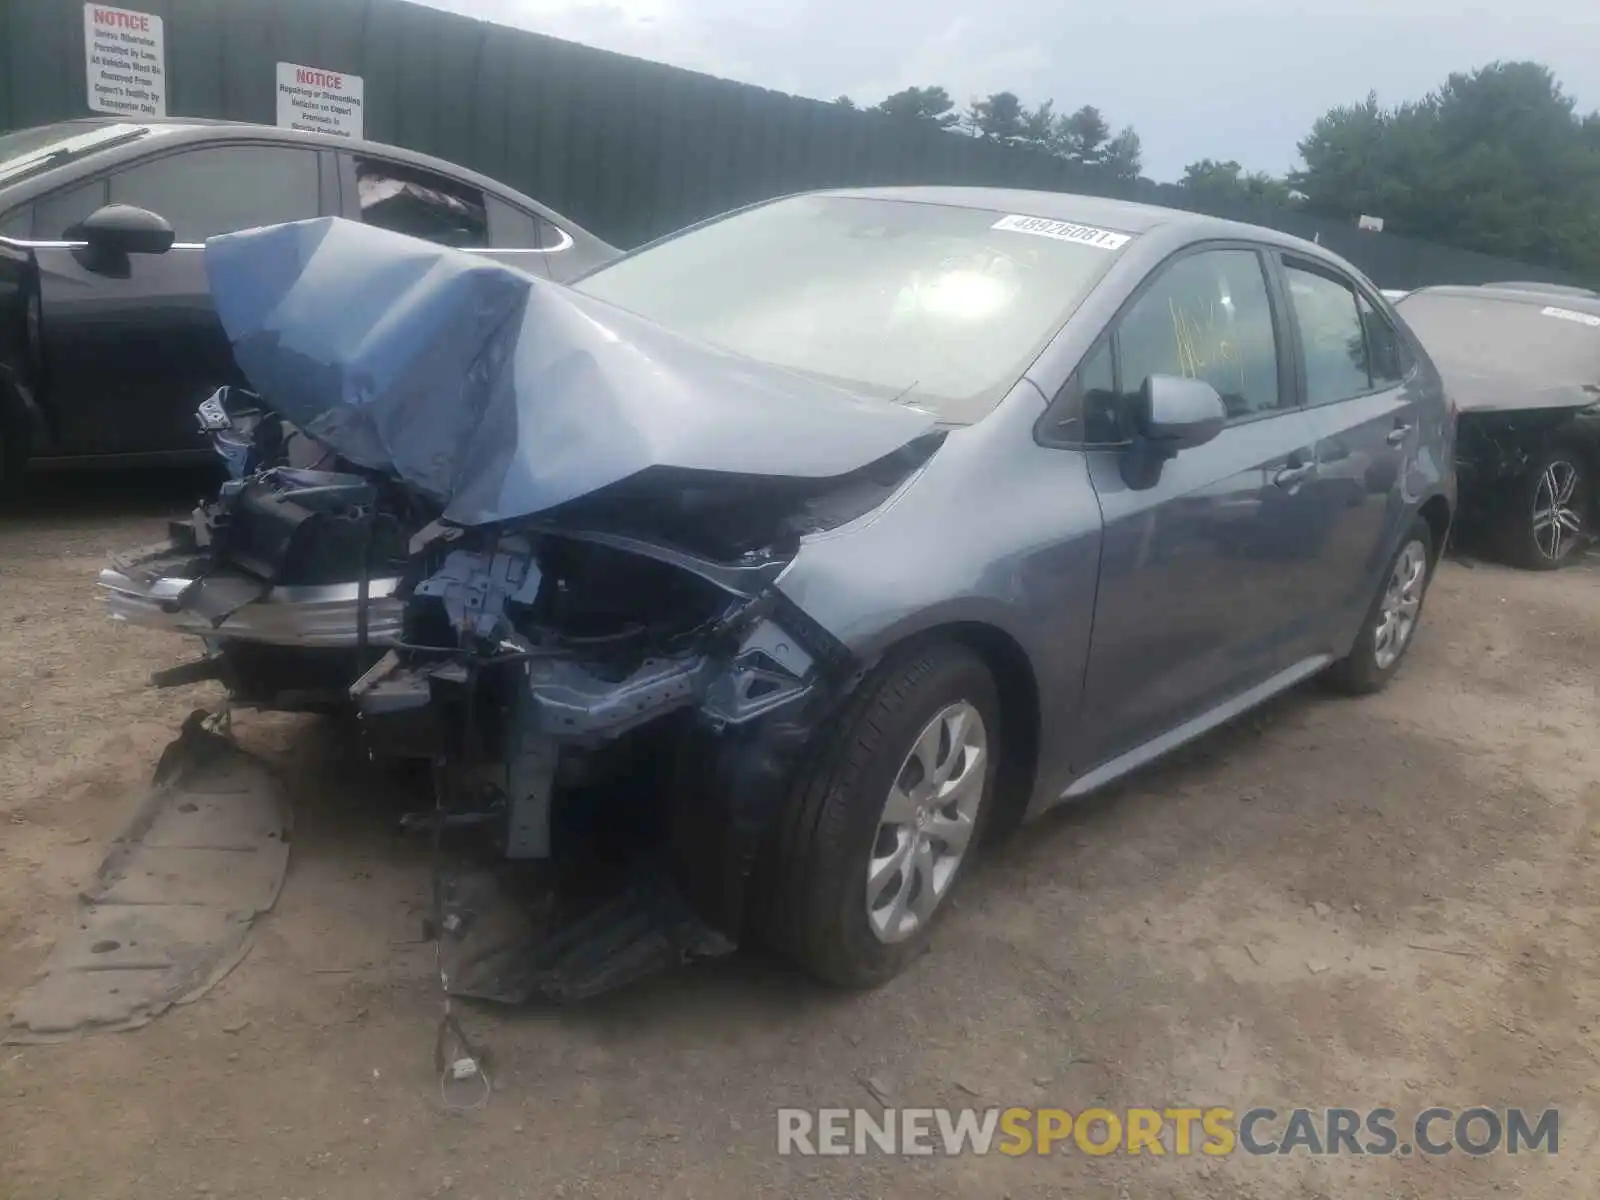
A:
(221, 189)
(1207, 316)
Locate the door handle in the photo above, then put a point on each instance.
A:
(1398, 434)
(1293, 475)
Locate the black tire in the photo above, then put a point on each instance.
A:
(814, 905)
(14, 446)
(1518, 540)
(1361, 672)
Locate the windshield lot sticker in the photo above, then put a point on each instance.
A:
(1064, 231)
(1566, 314)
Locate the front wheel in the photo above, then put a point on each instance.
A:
(1391, 622)
(886, 818)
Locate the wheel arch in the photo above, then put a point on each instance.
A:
(1437, 513)
(1018, 690)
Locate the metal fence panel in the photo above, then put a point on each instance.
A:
(630, 149)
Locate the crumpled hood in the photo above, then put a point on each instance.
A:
(500, 395)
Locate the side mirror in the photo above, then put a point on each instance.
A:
(1176, 414)
(120, 229)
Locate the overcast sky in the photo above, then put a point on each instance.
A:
(1240, 79)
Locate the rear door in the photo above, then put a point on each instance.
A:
(1366, 423)
(1194, 591)
(133, 347)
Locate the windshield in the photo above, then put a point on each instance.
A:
(29, 150)
(1549, 344)
(937, 306)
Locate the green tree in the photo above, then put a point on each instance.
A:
(997, 116)
(1356, 158)
(920, 104)
(1039, 125)
(1228, 182)
(1082, 137)
(1497, 159)
(1124, 156)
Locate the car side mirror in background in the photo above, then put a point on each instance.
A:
(121, 229)
(1170, 414)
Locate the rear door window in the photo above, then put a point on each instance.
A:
(220, 189)
(422, 204)
(1333, 339)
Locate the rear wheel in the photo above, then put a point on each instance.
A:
(1547, 519)
(886, 818)
(1391, 622)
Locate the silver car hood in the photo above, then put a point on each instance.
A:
(500, 395)
(1515, 391)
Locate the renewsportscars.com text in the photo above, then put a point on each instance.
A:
(1177, 1131)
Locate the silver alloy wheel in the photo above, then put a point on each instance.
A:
(1402, 599)
(927, 822)
(1557, 525)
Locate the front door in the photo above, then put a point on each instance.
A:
(1365, 421)
(133, 347)
(1194, 592)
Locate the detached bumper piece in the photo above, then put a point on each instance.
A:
(229, 604)
(273, 561)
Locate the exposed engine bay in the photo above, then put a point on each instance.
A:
(556, 681)
(613, 687)
(532, 544)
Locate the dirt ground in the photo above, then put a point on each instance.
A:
(1383, 902)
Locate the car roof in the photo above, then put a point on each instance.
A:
(178, 131)
(1127, 216)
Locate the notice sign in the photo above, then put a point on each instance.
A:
(319, 101)
(126, 56)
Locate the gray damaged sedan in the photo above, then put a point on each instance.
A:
(798, 550)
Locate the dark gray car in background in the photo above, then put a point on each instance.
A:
(1522, 362)
(107, 338)
(842, 527)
